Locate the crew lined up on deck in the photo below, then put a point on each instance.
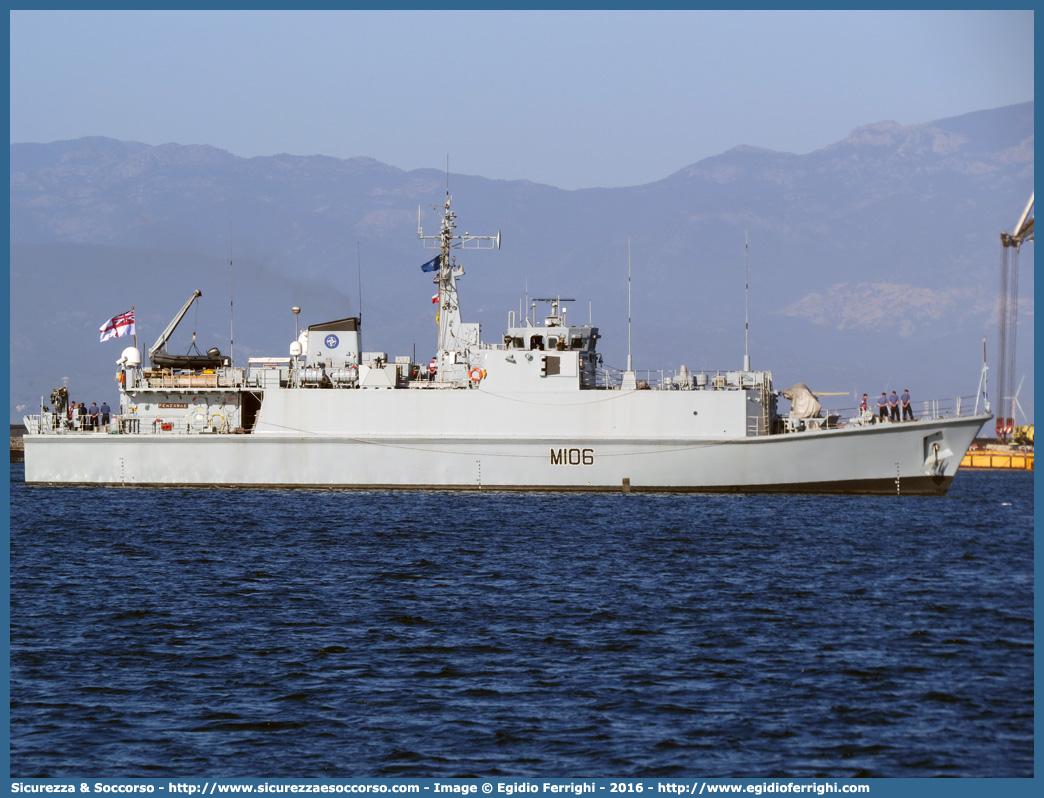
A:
(93, 418)
(888, 406)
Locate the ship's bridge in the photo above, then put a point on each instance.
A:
(577, 339)
(554, 335)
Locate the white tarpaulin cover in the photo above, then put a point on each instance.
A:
(803, 403)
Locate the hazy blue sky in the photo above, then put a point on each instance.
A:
(572, 99)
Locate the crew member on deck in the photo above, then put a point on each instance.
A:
(904, 400)
(882, 407)
(893, 406)
(105, 410)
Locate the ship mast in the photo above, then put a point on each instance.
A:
(450, 346)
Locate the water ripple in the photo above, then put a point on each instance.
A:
(348, 634)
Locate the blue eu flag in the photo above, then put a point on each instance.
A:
(432, 265)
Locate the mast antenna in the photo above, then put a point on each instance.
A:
(358, 256)
(231, 306)
(628, 304)
(450, 342)
(746, 296)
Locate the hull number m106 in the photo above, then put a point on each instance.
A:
(572, 457)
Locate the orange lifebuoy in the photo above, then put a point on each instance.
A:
(476, 374)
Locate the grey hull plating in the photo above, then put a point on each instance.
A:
(889, 460)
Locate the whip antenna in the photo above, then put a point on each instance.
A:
(231, 315)
(628, 304)
(746, 297)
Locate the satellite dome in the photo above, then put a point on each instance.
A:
(130, 357)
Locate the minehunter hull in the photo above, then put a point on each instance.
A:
(535, 410)
(913, 458)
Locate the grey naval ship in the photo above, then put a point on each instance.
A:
(533, 411)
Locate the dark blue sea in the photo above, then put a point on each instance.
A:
(270, 633)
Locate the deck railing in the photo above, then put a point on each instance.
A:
(128, 424)
(677, 380)
(221, 378)
(55, 424)
(839, 418)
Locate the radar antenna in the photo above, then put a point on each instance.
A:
(557, 314)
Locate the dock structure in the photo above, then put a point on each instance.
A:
(17, 446)
(1006, 461)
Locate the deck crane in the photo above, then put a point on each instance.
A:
(159, 356)
(1008, 318)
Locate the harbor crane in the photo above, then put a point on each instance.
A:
(1008, 318)
(1023, 230)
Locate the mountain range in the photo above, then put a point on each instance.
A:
(869, 265)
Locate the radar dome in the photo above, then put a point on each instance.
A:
(130, 357)
(295, 349)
